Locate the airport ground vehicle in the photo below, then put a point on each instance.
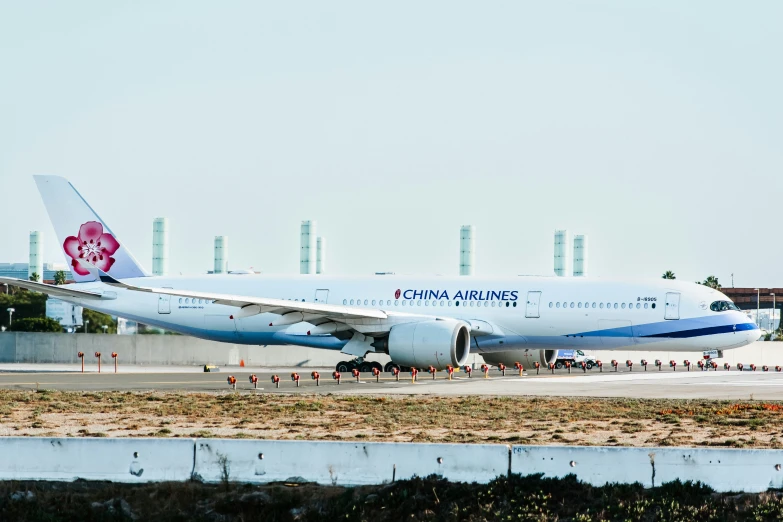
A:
(575, 357)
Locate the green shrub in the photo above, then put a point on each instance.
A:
(35, 324)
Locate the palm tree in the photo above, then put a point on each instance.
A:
(712, 282)
(35, 277)
(669, 275)
(59, 277)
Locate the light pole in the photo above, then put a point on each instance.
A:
(10, 315)
(105, 327)
(86, 325)
(758, 306)
(6, 288)
(772, 324)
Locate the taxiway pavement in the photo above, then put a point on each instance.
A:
(682, 384)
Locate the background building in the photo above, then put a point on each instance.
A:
(21, 271)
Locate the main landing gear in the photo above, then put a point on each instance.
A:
(359, 364)
(367, 366)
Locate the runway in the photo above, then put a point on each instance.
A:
(681, 384)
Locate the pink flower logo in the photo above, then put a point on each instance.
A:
(93, 246)
(397, 294)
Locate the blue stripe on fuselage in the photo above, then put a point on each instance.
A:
(677, 328)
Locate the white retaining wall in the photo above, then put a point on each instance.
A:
(360, 463)
(346, 463)
(19, 347)
(118, 460)
(722, 469)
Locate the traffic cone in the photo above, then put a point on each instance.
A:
(241, 363)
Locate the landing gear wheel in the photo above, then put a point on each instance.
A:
(390, 366)
(559, 365)
(344, 367)
(365, 367)
(589, 366)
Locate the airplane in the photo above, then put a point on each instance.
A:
(418, 321)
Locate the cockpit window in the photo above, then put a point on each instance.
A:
(723, 306)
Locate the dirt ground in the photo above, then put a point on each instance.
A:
(525, 420)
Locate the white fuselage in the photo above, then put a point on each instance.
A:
(505, 314)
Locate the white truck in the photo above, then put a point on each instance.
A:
(575, 357)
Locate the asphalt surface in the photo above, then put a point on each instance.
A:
(683, 384)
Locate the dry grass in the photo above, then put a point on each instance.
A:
(528, 420)
(420, 499)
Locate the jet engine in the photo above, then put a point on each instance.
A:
(437, 343)
(528, 358)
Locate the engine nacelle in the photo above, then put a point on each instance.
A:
(430, 343)
(528, 358)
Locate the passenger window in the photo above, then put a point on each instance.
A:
(593, 305)
(351, 301)
(638, 305)
(558, 304)
(506, 304)
(572, 304)
(493, 303)
(515, 304)
(345, 301)
(579, 304)
(403, 303)
(601, 305)
(373, 302)
(180, 300)
(418, 303)
(623, 306)
(615, 306)
(396, 303)
(645, 306)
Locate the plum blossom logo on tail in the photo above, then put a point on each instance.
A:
(93, 246)
(397, 294)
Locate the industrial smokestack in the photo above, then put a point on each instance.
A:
(320, 263)
(221, 254)
(307, 247)
(580, 255)
(160, 246)
(467, 243)
(35, 266)
(562, 253)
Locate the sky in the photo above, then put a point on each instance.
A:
(654, 127)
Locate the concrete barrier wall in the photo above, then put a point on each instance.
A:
(760, 353)
(18, 347)
(722, 469)
(118, 460)
(350, 464)
(346, 463)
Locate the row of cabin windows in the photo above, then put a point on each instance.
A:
(599, 305)
(485, 304)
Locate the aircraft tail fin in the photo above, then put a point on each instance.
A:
(85, 238)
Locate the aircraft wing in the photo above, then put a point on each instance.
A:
(249, 306)
(53, 290)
